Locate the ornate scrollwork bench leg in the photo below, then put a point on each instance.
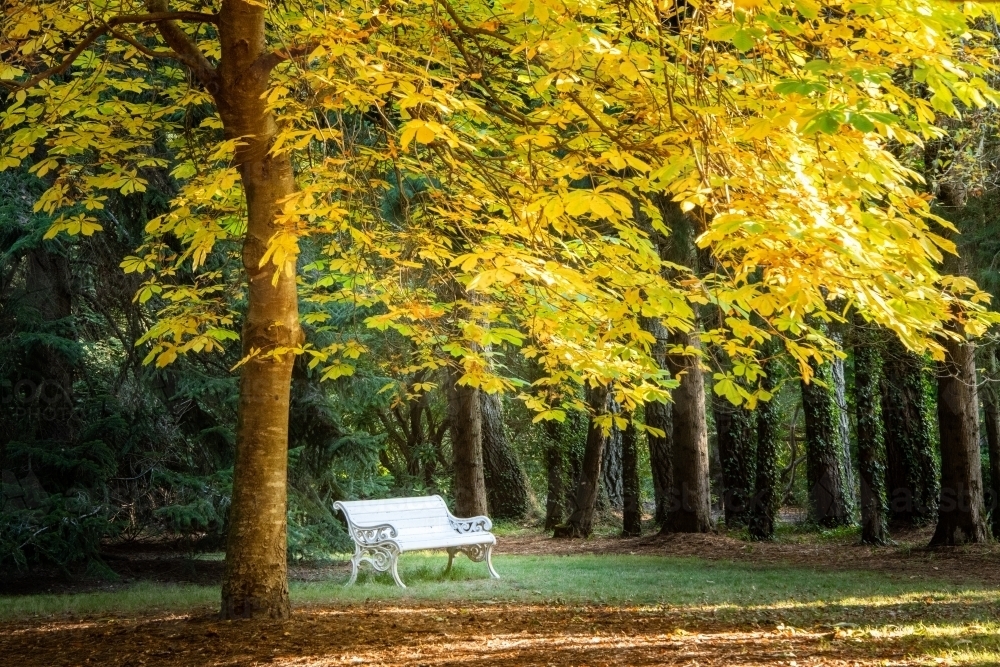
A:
(477, 553)
(375, 545)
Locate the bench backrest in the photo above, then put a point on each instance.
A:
(411, 517)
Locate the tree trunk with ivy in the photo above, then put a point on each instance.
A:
(735, 428)
(911, 470)
(871, 444)
(828, 503)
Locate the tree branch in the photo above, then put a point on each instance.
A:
(162, 18)
(186, 50)
(264, 64)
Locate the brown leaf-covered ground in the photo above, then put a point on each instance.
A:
(520, 633)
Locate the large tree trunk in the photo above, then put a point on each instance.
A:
(507, 491)
(255, 578)
(658, 416)
(689, 509)
(991, 413)
(765, 499)
(871, 444)
(911, 470)
(632, 503)
(823, 451)
(961, 514)
(735, 428)
(581, 520)
(465, 416)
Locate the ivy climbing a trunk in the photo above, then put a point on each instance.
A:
(871, 444)
(829, 507)
(911, 471)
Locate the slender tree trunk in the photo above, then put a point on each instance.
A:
(581, 520)
(255, 578)
(766, 498)
(689, 509)
(735, 427)
(507, 491)
(871, 444)
(991, 413)
(911, 470)
(632, 507)
(611, 466)
(961, 514)
(465, 416)
(658, 416)
(843, 424)
(823, 451)
(555, 466)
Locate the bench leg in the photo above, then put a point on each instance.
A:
(395, 571)
(355, 564)
(451, 558)
(489, 562)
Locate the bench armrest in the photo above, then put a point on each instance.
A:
(368, 535)
(474, 524)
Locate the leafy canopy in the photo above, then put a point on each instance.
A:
(475, 175)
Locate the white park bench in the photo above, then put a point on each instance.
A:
(383, 529)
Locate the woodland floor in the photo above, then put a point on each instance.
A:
(953, 622)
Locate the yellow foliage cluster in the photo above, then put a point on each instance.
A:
(505, 173)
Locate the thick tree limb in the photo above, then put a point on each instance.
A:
(162, 18)
(267, 62)
(186, 50)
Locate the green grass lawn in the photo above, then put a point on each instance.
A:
(941, 620)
